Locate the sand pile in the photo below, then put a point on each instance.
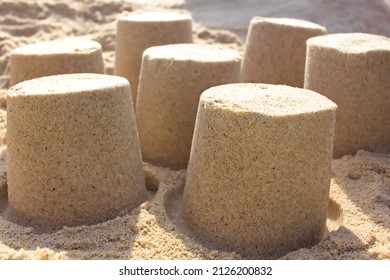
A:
(358, 218)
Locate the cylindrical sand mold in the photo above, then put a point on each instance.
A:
(65, 56)
(172, 79)
(73, 151)
(353, 70)
(275, 50)
(259, 172)
(138, 31)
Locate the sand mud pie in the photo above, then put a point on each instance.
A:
(172, 79)
(63, 56)
(73, 151)
(353, 70)
(259, 172)
(140, 30)
(276, 49)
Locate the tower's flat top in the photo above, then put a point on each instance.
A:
(268, 100)
(290, 22)
(194, 52)
(61, 46)
(66, 84)
(352, 42)
(153, 16)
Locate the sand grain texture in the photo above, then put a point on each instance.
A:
(138, 31)
(73, 150)
(258, 177)
(353, 70)
(358, 224)
(275, 50)
(65, 56)
(168, 100)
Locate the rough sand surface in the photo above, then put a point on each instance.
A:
(28, 21)
(359, 208)
(358, 222)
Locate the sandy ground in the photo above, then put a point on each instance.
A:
(358, 225)
(368, 16)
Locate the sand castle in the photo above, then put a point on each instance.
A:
(259, 172)
(275, 50)
(64, 56)
(172, 80)
(73, 151)
(138, 31)
(353, 70)
(75, 164)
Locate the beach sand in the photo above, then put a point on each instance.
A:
(358, 224)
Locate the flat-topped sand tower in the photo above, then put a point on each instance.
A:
(64, 56)
(140, 30)
(275, 50)
(172, 79)
(353, 70)
(259, 173)
(73, 151)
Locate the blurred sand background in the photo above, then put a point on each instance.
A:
(358, 225)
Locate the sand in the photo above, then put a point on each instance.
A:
(138, 31)
(73, 152)
(275, 50)
(63, 56)
(353, 70)
(358, 224)
(168, 100)
(367, 16)
(260, 159)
